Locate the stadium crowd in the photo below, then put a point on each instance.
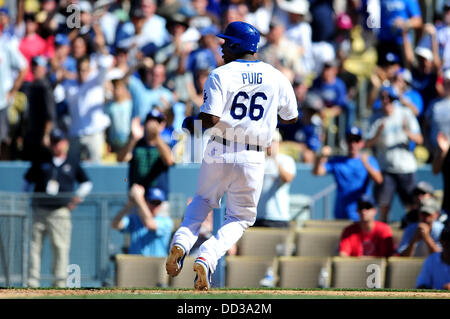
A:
(104, 72)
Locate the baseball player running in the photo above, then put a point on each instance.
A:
(241, 102)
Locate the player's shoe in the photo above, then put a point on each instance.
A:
(174, 262)
(203, 275)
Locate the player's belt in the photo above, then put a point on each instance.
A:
(248, 147)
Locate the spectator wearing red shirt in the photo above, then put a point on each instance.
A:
(367, 237)
(32, 44)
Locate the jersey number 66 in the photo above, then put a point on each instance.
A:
(256, 110)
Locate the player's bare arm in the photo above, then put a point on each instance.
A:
(208, 120)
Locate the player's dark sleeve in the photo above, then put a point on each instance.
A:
(208, 120)
(291, 121)
(31, 175)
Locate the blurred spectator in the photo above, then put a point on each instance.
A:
(174, 56)
(443, 35)
(108, 21)
(435, 273)
(353, 174)
(280, 170)
(298, 30)
(366, 237)
(151, 92)
(322, 13)
(85, 99)
(437, 117)
(382, 75)
(441, 163)
(13, 68)
(396, 17)
(280, 52)
(424, 65)
(54, 179)
(63, 65)
(333, 92)
(32, 44)
(259, 14)
(201, 17)
(149, 156)
(208, 53)
(306, 135)
(41, 111)
(119, 111)
(389, 134)
(422, 238)
(150, 231)
(421, 191)
(408, 96)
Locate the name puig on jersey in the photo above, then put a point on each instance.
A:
(251, 78)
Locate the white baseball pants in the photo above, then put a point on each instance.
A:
(242, 181)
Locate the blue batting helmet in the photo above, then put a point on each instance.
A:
(240, 37)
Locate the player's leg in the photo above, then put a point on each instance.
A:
(242, 200)
(212, 183)
(37, 238)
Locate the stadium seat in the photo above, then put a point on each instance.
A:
(185, 278)
(263, 241)
(247, 271)
(301, 272)
(326, 223)
(140, 271)
(402, 272)
(358, 272)
(318, 242)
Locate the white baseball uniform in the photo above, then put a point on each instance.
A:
(247, 96)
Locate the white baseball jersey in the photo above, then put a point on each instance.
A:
(247, 96)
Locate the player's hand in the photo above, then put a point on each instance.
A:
(446, 286)
(137, 130)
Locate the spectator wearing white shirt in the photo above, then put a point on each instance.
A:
(13, 68)
(85, 98)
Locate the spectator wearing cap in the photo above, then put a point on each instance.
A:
(333, 92)
(32, 44)
(54, 180)
(150, 230)
(63, 65)
(306, 135)
(41, 113)
(353, 174)
(279, 172)
(435, 273)
(421, 191)
(367, 237)
(422, 238)
(408, 96)
(208, 54)
(389, 135)
(298, 30)
(13, 68)
(424, 62)
(148, 155)
(385, 72)
(396, 17)
(85, 99)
